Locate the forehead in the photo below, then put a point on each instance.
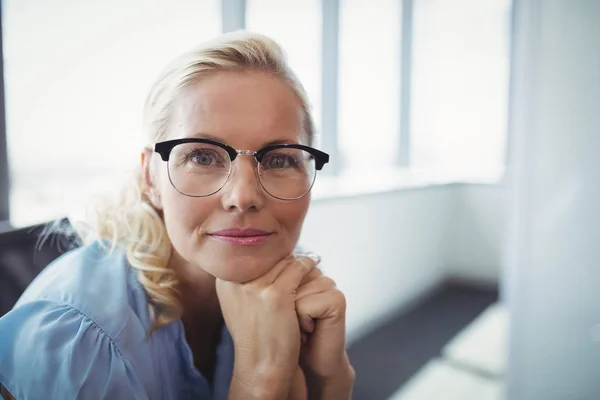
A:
(243, 109)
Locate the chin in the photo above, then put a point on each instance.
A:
(238, 269)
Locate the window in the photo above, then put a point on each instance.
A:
(77, 72)
(369, 83)
(296, 26)
(76, 75)
(460, 86)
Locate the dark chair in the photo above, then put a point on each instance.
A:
(24, 253)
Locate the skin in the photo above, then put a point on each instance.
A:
(246, 111)
(267, 297)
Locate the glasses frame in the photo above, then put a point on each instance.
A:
(164, 148)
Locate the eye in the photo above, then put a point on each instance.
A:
(279, 161)
(204, 157)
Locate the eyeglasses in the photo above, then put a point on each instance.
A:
(201, 167)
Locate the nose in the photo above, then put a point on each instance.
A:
(242, 191)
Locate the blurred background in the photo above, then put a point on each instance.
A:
(460, 213)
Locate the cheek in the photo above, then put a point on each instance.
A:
(181, 212)
(291, 215)
(183, 216)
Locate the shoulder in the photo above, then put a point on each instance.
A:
(51, 350)
(97, 283)
(81, 322)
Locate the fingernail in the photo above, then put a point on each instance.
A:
(315, 257)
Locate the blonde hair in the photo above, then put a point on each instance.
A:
(130, 221)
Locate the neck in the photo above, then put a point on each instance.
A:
(197, 291)
(202, 318)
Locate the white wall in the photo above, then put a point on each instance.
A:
(388, 250)
(475, 233)
(553, 273)
(384, 250)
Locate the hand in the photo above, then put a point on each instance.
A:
(261, 317)
(321, 310)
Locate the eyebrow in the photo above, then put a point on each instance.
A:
(204, 135)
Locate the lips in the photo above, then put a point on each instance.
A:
(247, 232)
(243, 237)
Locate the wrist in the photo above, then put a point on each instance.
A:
(259, 383)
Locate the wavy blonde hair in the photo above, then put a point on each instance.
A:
(130, 221)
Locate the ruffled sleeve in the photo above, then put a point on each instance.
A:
(50, 350)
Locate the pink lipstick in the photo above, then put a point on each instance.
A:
(241, 237)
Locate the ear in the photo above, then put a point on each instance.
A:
(149, 186)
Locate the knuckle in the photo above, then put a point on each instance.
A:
(304, 264)
(314, 274)
(327, 282)
(339, 299)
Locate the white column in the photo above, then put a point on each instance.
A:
(552, 281)
(233, 15)
(330, 55)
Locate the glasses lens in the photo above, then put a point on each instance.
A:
(198, 169)
(287, 173)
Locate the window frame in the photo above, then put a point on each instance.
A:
(4, 169)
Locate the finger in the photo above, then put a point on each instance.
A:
(292, 275)
(311, 276)
(270, 277)
(329, 305)
(317, 285)
(307, 324)
(312, 256)
(309, 254)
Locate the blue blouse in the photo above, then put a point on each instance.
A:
(80, 331)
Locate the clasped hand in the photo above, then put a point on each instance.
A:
(291, 316)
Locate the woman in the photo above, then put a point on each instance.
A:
(189, 286)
